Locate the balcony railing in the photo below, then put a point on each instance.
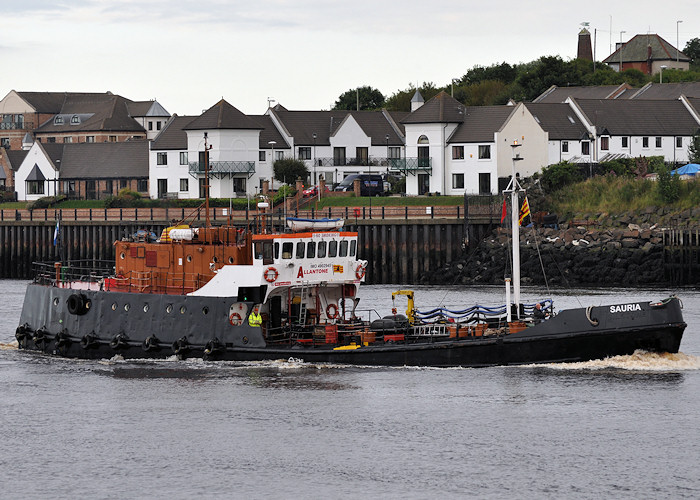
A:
(221, 169)
(14, 125)
(403, 165)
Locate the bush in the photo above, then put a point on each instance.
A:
(45, 202)
(669, 186)
(559, 175)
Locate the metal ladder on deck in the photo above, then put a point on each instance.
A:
(304, 294)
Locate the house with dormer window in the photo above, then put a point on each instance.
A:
(637, 128)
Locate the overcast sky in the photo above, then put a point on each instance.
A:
(303, 53)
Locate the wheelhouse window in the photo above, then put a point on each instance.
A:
(458, 152)
(343, 249)
(300, 250)
(485, 152)
(287, 249)
(353, 247)
(321, 249)
(332, 248)
(263, 250)
(311, 250)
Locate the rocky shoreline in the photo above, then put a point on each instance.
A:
(583, 254)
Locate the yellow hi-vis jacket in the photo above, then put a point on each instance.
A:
(254, 319)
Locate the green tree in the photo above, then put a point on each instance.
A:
(694, 149)
(401, 99)
(369, 99)
(289, 170)
(692, 50)
(668, 186)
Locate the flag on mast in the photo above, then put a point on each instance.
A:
(504, 211)
(524, 213)
(55, 233)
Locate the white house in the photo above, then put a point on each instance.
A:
(38, 174)
(634, 128)
(462, 149)
(568, 138)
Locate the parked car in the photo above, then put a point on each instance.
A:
(370, 184)
(313, 191)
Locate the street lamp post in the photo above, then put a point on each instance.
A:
(272, 146)
(621, 32)
(661, 73)
(314, 137)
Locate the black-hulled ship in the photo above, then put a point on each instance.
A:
(227, 293)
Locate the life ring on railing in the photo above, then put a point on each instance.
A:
(360, 272)
(235, 319)
(271, 274)
(332, 311)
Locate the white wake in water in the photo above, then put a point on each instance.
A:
(642, 361)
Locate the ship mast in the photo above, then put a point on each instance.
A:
(206, 186)
(513, 189)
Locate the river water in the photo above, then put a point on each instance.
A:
(624, 428)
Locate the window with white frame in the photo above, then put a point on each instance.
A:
(67, 140)
(458, 152)
(457, 181)
(162, 159)
(484, 152)
(58, 120)
(184, 184)
(150, 125)
(158, 124)
(658, 142)
(564, 146)
(90, 138)
(279, 155)
(624, 142)
(605, 143)
(679, 142)
(142, 185)
(183, 157)
(394, 152)
(74, 120)
(112, 138)
(585, 148)
(304, 153)
(645, 142)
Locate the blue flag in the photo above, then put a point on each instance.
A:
(55, 233)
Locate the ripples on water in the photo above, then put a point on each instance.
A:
(621, 427)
